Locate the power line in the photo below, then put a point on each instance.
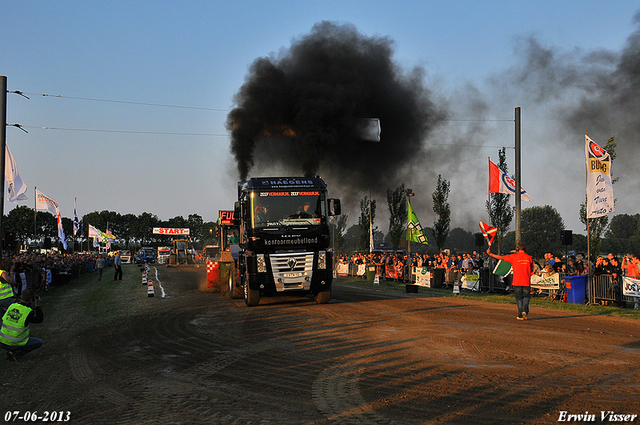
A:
(124, 131)
(163, 105)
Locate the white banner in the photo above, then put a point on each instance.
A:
(545, 282)
(631, 287)
(169, 231)
(44, 202)
(600, 200)
(471, 282)
(16, 188)
(423, 276)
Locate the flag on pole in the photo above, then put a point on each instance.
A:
(600, 200)
(500, 182)
(94, 232)
(414, 229)
(15, 186)
(76, 223)
(44, 202)
(488, 232)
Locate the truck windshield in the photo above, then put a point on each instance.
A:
(285, 208)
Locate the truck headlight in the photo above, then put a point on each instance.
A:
(322, 260)
(262, 265)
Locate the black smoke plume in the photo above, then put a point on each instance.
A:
(302, 111)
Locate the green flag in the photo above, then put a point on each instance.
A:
(414, 229)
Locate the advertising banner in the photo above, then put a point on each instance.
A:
(546, 282)
(600, 200)
(631, 287)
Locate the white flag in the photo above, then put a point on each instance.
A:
(44, 202)
(600, 200)
(15, 185)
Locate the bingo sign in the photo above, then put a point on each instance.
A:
(226, 218)
(169, 231)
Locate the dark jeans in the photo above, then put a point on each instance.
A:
(118, 274)
(21, 350)
(523, 295)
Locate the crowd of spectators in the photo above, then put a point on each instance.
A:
(38, 271)
(404, 263)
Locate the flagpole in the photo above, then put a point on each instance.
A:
(3, 142)
(35, 211)
(586, 211)
(518, 173)
(489, 193)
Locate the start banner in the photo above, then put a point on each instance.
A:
(169, 231)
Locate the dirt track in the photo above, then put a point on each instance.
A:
(367, 357)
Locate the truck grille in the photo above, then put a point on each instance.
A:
(292, 271)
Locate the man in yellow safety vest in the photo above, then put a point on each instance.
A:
(14, 333)
(6, 288)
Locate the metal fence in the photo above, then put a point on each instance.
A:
(602, 289)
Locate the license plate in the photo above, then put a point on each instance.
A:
(297, 274)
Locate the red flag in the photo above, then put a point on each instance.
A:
(500, 182)
(488, 232)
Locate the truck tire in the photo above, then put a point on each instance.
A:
(251, 296)
(234, 291)
(323, 297)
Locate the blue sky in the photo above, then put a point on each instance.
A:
(133, 156)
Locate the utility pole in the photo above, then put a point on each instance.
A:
(518, 174)
(3, 143)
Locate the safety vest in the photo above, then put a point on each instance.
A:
(6, 291)
(14, 331)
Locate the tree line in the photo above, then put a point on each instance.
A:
(541, 227)
(23, 226)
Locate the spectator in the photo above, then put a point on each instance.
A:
(6, 288)
(14, 333)
(100, 263)
(600, 267)
(117, 263)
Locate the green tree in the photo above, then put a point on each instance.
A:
(624, 226)
(397, 203)
(144, 226)
(352, 238)
(20, 222)
(460, 240)
(540, 229)
(337, 230)
(596, 226)
(366, 220)
(499, 208)
(443, 212)
(196, 229)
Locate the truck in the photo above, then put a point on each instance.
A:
(181, 252)
(284, 239)
(163, 254)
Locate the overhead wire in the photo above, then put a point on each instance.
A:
(59, 96)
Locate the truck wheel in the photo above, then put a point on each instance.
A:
(234, 291)
(323, 297)
(251, 296)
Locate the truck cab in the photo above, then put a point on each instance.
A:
(284, 237)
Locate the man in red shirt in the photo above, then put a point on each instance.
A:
(522, 265)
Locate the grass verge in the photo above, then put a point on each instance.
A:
(496, 298)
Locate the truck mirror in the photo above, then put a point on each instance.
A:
(236, 214)
(334, 207)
